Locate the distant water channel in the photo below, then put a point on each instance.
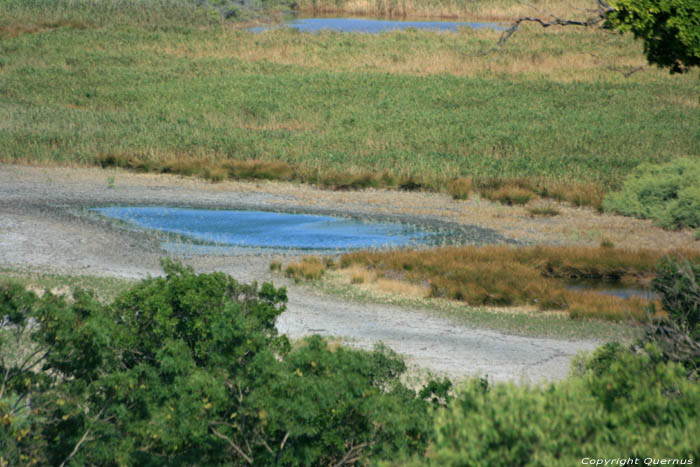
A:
(374, 26)
(614, 289)
(211, 231)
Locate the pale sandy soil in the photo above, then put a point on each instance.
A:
(43, 227)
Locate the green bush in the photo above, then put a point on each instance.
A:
(620, 404)
(678, 283)
(188, 369)
(668, 193)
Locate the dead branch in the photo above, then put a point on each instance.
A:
(626, 71)
(598, 16)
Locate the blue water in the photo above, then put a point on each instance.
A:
(260, 229)
(374, 26)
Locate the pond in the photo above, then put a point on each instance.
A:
(212, 231)
(375, 26)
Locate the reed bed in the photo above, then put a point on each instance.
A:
(503, 276)
(498, 10)
(161, 86)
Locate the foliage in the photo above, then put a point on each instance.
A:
(189, 369)
(668, 193)
(618, 402)
(678, 283)
(670, 30)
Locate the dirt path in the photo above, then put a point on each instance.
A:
(43, 226)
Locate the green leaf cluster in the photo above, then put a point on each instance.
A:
(670, 30)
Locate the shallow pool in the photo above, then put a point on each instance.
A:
(374, 26)
(207, 230)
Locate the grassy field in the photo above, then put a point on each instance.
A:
(166, 89)
(485, 10)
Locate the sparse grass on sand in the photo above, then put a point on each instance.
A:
(174, 90)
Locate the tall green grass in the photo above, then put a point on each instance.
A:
(123, 88)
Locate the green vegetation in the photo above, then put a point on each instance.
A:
(618, 405)
(670, 30)
(154, 90)
(188, 369)
(678, 281)
(667, 193)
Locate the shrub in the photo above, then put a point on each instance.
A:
(619, 402)
(188, 369)
(678, 283)
(667, 193)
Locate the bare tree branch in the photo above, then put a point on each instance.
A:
(598, 16)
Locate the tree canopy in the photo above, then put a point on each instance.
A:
(670, 30)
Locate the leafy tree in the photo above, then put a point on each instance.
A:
(188, 369)
(670, 30)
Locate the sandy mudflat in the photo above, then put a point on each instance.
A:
(44, 226)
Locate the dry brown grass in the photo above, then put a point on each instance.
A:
(506, 276)
(218, 169)
(532, 53)
(576, 193)
(359, 275)
(543, 210)
(461, 188)
(210, 168)
(310, 268)
(450, 9)
(509, 195)
(512, 191)
(599, 306)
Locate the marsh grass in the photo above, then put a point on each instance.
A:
(461, 188)
(504, 277)
(310, 268)
(163, 87)
(493, 10)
